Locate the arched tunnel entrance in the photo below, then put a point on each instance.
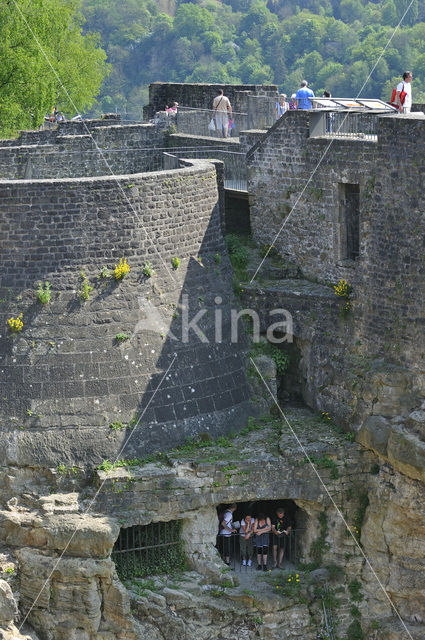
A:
(284, 550)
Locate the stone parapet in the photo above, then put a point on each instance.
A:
(68, 375)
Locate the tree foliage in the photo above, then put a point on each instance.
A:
(46, 61)
(334, 44)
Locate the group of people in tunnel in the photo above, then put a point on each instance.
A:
(255, 536)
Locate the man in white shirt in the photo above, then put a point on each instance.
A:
(226, 530)
(406, 87)
(222, 111)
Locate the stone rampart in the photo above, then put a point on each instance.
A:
(365, 368)
(280, 169)
(200, 95)
(82, 149)
(67, 376)
(290, 169)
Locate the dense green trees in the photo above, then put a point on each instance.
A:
(46, 61)
(332, 43)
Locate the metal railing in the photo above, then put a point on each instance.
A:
(149, 550)
(235, 172)
(344, 124)
(192, 120)
(230, 547)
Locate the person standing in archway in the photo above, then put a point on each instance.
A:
(281, 527)
(226, 531)
(261, 530)
(245, 540)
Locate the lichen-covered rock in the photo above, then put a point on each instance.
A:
(73, 598)
(8, 606)
(393, 536)
(264, 368)
(406, 452)
(80, 534)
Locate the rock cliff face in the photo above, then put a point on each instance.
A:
(60, 528)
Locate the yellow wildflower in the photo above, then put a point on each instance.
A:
(15, 324)
(121, 269)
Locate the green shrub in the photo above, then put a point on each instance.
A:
(122, 337)
(354, 588)
(354, 631)
(335, 571)
(238, 252)
(86, 288)
(175, 262)
(281, 359)
(105, 273)
(117, 426)
(43, 294)
(320, 545)
(148, 269)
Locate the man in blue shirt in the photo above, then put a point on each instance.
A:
(302, 96)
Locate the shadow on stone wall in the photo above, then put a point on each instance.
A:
(70, 382)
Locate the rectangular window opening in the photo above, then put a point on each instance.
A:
(349, 205)
(148, 550)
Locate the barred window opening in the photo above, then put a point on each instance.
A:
(146, 550)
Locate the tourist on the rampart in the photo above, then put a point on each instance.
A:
(222, 111)
(281, 106)
(226, 531)
(330, 117)
(261, 530)
(173, 108)
(293, 103)
(303, 96)
(281, 528)
(404, 93)
(245, 540)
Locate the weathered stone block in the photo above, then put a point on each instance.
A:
(374, 434)
(8, 606)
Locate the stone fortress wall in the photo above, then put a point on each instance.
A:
(66, 378)
(387, 312)
(80, 149)
(200, 95)
(365, 368)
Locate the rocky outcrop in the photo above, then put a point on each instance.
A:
(61, 529)
(393, 536)
(401, 441)
(192, 609)
(8, 606)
